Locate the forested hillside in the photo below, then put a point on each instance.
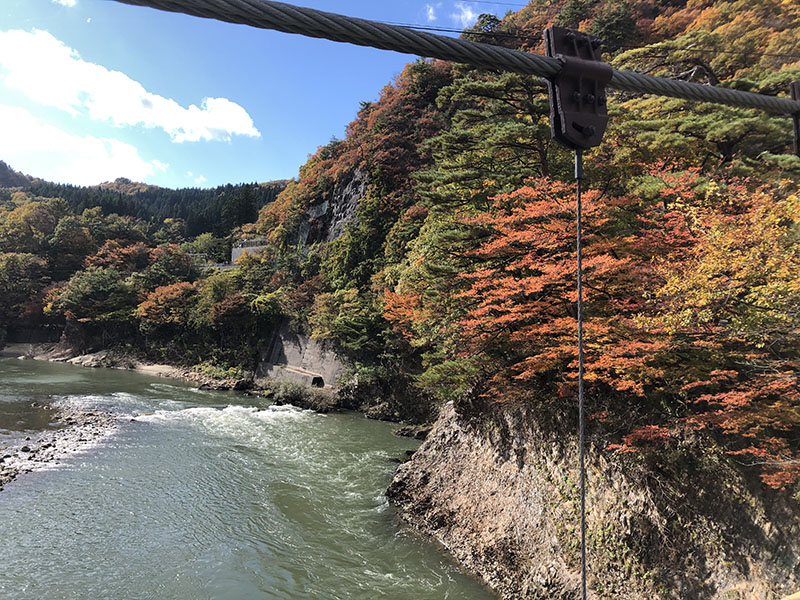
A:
(98, 263)
(214, 210)
(455, 280)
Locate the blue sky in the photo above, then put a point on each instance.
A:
(91, 90)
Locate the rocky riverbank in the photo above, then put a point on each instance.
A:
(115, 359)
(500, 492)
(76, 430)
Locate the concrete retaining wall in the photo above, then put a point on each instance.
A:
(291, 356)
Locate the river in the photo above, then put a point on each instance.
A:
(206, 495)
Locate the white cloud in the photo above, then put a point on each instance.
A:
(53, 74)
(200, 179)
(430, 12)
(465, 17)
(32, 146)
(69, 3)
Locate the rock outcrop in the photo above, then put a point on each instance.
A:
(501, 493)
(334, 210)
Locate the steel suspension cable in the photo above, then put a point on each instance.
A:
(266, 14)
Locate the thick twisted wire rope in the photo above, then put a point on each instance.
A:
(310, 22)
(316, 23)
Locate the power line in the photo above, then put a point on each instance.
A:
(522, 35)
(499, 34)
(428, 27)
(266, 14)
(507, 34)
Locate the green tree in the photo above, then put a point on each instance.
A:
(70, 243)
(574, 12)
(499, 135)
(239, 208)
(168, 265)
(27, 227)
(22, 277)
(214, 248)
(95, 296)
(172, 231)
(616, 26)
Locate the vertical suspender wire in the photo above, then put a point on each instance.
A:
(581, 444)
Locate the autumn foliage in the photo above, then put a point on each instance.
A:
(454, 277)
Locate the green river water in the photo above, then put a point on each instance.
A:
(206, 495)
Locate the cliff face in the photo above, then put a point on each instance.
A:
(292, 356)
(328, 217)
(502, 494)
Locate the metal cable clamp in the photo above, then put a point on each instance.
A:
(578, 104)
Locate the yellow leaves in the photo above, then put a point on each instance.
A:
(743, 273)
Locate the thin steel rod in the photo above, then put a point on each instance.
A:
(316, 23)
(581, 410)
(796, 123)
(794, 92)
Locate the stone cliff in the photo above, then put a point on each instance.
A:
(333, 210)
(500, 491)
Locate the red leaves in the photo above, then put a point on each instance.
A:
(523, 293)
(780, 466)
(648, 433)
(403, 310)
(167, 305)
(124, 257)
(762, 409)
(232, 312)
(642, 436)
(645, 349)
(301, 298)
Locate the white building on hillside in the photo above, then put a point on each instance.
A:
(250, 246)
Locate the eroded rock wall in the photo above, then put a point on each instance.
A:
(502, 494)
(334, 210)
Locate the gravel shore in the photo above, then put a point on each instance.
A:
(79, 430)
